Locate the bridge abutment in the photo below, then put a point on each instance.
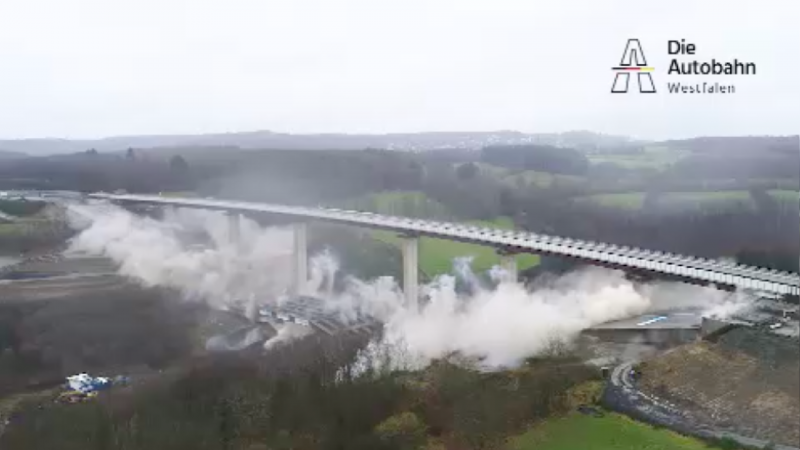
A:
(300, 257)
(411, 271)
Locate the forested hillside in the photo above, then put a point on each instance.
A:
(713, 197)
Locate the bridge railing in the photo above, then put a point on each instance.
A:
(480, 234)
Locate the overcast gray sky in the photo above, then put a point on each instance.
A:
(92, 68)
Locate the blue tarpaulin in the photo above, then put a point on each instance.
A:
(86, 384)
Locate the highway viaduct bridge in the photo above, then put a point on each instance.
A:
(508, 243)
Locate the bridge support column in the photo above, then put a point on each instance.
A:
(166, 211)
(411, 271)
(300, 256)
(234, 227)
(509, 265)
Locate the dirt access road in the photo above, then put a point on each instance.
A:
(622, 395)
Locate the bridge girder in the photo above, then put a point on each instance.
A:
(693, 268)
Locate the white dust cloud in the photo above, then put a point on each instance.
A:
(191, 251)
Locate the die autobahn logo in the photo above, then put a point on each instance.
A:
(634, 62)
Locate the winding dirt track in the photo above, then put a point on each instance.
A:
(622, 395)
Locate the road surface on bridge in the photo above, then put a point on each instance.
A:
(687, 267)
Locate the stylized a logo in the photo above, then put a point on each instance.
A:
(633, 61)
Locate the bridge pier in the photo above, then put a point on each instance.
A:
(163, 214)
(411, 271)
(234, 227)
(300, 256)
(508, 262)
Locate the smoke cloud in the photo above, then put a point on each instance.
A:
(192, 251)
(189, 250)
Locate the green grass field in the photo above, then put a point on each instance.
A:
(21, 208)
(630, 161)
(684, 200)
(626, 200)
(8, 228)
(436, 255)
(12, 229)
(517, 178)
(652, 157)
(611, 432)
(178, 194)
(784, 195)
(489, 169)
(399, 203)
(703, 200)
(544, 179)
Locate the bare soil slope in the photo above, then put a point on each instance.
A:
(748, 382)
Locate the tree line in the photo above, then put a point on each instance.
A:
(328, 177)
(307, 395)
(91, 171)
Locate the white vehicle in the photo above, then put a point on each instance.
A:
(775, 326)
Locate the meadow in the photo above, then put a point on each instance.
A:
(610, 432)
(435, 255)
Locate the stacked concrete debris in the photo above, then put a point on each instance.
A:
(42, 258)
(310, 311)
(774, 317)
(302, 312)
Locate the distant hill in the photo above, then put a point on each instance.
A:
(584, 141)
(5, 154)
(738, 144)
(285, 141)
(739, 157)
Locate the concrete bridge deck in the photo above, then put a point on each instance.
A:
(687, 267)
